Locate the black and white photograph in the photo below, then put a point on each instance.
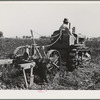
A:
(49, 45)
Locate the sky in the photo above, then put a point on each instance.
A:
(17, 18)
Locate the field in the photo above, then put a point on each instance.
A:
(85, 77)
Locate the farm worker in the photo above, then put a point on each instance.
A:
(64, 26)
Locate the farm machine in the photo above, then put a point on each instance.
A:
(71, 47)
(46, 60)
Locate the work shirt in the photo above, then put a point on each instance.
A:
(63, 27)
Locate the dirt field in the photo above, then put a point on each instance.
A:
(85, 77)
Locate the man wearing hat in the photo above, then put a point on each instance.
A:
(64, 26)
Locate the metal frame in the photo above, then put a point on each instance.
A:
(28, 66)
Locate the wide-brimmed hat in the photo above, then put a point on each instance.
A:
(65, 20)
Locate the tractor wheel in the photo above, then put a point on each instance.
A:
(54, 64)
(72, 60)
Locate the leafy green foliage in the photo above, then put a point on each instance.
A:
(86, 77)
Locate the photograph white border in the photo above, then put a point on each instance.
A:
(50, 94)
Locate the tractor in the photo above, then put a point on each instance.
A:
(45, 61)
(64, 47)
(71, 47)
